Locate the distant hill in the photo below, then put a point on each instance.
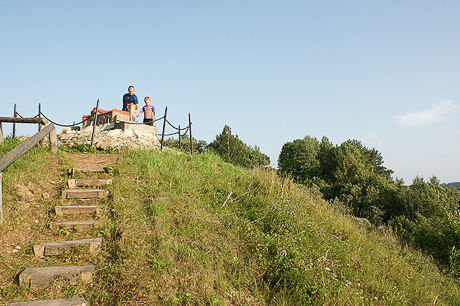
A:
(455, 185)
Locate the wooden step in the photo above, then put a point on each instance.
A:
(62, 276)
(57, 247)
(88, 182)
(77, 210)
(75, 225)
(84, 193)
(62, 302)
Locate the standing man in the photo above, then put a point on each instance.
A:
(129, 97)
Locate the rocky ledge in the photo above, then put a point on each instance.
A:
(122, 135)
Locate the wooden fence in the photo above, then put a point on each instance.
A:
(180, 132)
(10, 157)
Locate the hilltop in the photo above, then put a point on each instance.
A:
(181, 229)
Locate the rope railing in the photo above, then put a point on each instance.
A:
(93, 117)
(66, 125)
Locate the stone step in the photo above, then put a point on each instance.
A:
(88, 182)
(61, 276)
(84, 193)
(62, 302)
(77, 210)
(75, 225)
(57, 247)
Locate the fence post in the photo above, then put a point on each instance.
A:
(164, 128)
(15, 115)
(180, 146)
(94, 122)
(190, 129)
(1, 133)
(39, 115)
(53, 140)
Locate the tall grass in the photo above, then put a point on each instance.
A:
(194, 230)
(185, 229)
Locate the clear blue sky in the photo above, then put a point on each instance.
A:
(383, 72)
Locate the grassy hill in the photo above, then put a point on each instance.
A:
(183, 229)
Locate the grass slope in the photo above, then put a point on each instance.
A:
(193, 230)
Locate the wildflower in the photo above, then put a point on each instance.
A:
(280, 248)
(321, 230)
(284, 251)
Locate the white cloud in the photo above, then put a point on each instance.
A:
(438, 112)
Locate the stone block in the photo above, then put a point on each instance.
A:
(84, 193)
(57, 247)
(77, 210)
(61, 276)
(61, 302)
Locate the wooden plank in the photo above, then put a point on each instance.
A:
(61, 276)
(24, 120)
(10, 157)
(75, 225)
(84, 193)
(57, 247)
(88, 182)
(61, 302)
(77, 210)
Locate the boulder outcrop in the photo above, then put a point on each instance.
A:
(120, 135)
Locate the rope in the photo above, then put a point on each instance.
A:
(66, 125)
(171, 124)
(91, 117)
(168, 134)
(175, 127)
(185, 133)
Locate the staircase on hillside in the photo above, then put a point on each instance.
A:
(70, 219)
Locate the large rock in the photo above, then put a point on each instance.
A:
(120, 135)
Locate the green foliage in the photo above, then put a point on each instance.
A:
(232, 150)
(9, 143)
(300, 158)
(425, 214)
(199, 146)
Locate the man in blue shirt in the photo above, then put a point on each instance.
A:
(129, 97)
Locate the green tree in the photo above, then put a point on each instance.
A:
(231, 149)
(300, 158)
